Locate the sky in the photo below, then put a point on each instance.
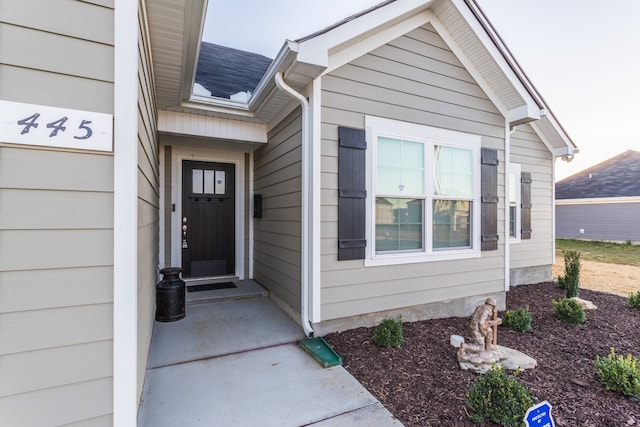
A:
(582, 56)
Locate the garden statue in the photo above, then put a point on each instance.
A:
(484, 331)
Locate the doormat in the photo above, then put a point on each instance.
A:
(320, 350)
(211, 287)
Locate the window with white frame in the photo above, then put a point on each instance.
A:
(514, 201)
(425, 187)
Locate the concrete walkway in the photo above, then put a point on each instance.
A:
(235, 362)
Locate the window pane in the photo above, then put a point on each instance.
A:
(451, 224)
(512, 221)
(512, 189)
(453, 175)
(400, 167)
(398, 224)
(196, 175)
(220, 182)
(208, 182)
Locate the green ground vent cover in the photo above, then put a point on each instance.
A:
(320, 350)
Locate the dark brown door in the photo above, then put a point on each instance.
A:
(208, 219)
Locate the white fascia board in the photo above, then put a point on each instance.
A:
(469, 66)
(195, 14)
(381, 38)
(495, 52)
(316, 49)
(175, 122)
(598, 201)
(566, 149)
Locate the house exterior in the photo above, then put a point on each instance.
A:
(601, 202)
(398, 162)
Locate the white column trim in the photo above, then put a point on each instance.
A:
(125, 214)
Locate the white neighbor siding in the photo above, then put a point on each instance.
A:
(531, 259)
(277, 239)
(416, 79)
(148, 200)
(56, 222)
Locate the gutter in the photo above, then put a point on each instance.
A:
(306, 203)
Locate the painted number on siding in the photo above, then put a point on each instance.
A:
(55, 127)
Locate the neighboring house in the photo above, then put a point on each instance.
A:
(602, 202)
(404, 163)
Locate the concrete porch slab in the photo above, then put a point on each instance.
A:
(277, 386)
(226, 327)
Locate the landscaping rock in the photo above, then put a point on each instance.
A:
(586, 305)
(514, 360)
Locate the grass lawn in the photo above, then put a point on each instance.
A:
(612, 253)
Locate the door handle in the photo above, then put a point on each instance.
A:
(185, 245)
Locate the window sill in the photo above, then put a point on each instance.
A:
(419, 257)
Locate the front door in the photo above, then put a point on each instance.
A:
(208, 219)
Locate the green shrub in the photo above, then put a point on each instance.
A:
(570, 310)
(498, 398)
(570, 282)
(634, 300)
(619, 374)
(518, 320)
(389, 333)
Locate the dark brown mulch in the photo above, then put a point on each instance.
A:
(422, 385)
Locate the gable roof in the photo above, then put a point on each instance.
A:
(461, 23)
(225, 71)
(617, 177)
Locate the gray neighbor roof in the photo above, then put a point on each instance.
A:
(617, 177)
(225, 71)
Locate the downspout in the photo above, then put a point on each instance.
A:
(507, 239)
(306, 202)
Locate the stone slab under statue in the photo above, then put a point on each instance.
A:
(483, 350)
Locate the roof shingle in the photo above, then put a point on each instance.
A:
(617, 177)
(225, 71)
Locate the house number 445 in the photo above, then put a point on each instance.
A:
(84, 131)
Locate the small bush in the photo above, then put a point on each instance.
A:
(570, 310)
(518, 320)
(498, 398)
(634, 300)
(389, 333)
(619, 374)
(570, 282)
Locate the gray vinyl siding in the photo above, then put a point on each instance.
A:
(277, 235)
(56, 222)
(148, 202)
(600, 221)
(416, 79)
(530, 152)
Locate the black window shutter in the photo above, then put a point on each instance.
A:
(525, 208)
(352, 194)
(489, 207)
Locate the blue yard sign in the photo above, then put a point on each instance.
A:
(539, 416)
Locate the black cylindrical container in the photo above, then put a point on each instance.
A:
(170, 295)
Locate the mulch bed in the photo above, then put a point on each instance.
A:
(422, 384)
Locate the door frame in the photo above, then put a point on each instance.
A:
(178, 154)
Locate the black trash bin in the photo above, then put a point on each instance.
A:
(170, 296)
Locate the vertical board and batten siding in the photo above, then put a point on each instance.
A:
(148, 199)
(534, 157)
(416, 79)
(277, 235)
(56, 222)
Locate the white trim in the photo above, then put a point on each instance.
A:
(175, 122)
(516, 169)
(345, 56)
(375, 126)
(162, 207)
(553, 210)
(507, 240)
(180, 153)
(598, 201)
(316, 203)
(251, 206)
(125, 214)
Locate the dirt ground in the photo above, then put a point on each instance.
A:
(613, 278)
